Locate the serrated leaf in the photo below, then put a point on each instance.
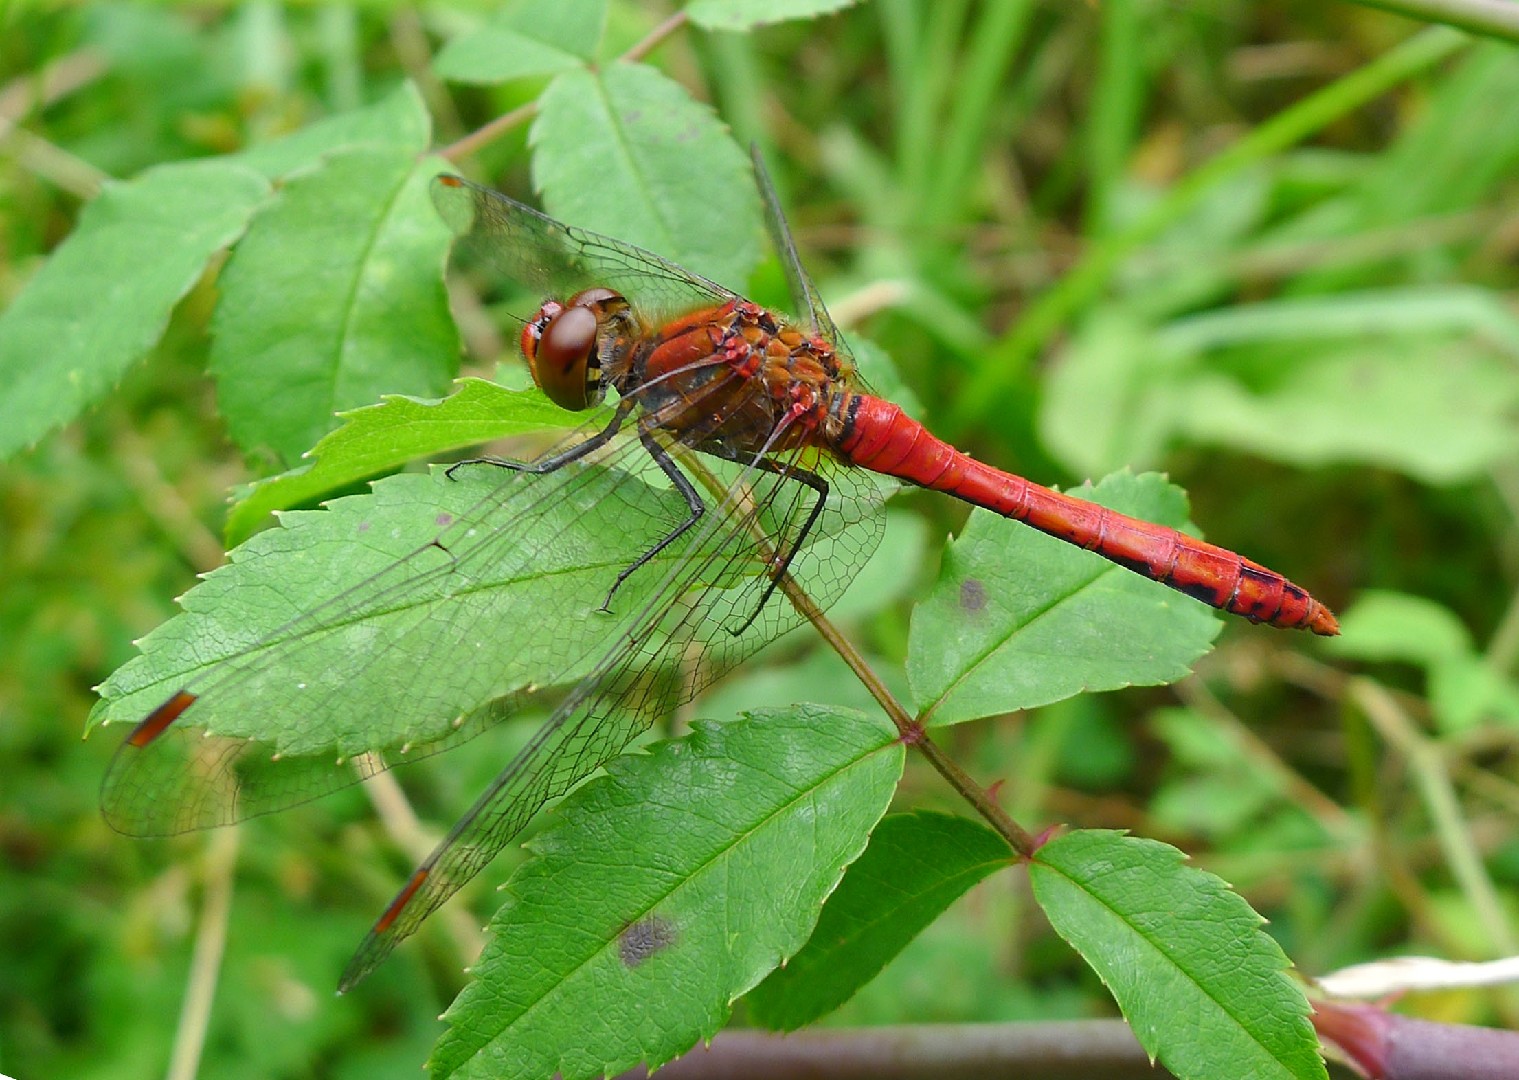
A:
(660, 893)
(568, 536)
(1204, 988)
(1019, 619)
(379, 438)
(398, 121)
(525, 39)
(104, 297)
(334, 297)
(669, 177)
(915, 867)
(748, 14)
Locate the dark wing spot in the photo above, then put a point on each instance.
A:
(972, 594)
(644, 938)
(158, 721)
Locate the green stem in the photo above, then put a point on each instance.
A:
(1444, 808)
(1493, 18)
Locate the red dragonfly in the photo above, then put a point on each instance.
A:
(784, 432)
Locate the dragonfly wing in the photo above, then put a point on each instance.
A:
(293, 710)
(570, 746)
(804, 294)
(703, 619)
(524, 245)
(188, 778)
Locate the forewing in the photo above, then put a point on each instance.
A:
(704, 618)
(521, 244)
(804, 294)
(466, 593)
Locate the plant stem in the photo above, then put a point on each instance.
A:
(912, 731)
(1493, 18)
(206, 960)
(909, 728)
(1428, 765)
(1059, 1050)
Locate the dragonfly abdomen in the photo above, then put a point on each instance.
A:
(878, 435)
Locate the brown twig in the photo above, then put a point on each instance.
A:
(910, 729)
(206, 960)
(1058, 1050)
(1426, 760)
(23, 95)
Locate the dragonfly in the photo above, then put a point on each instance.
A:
(741, 447)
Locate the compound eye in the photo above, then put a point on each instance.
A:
(562, 359)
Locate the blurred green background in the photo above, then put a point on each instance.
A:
(1269, 249)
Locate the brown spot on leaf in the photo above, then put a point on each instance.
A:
(972, 594)
(644, 938)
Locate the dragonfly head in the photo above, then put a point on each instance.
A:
(565, 345)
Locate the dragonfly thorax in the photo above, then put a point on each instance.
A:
(569, 346)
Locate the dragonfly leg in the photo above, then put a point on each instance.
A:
(564, 457)
(500, 463)
(781, 560)
(693, 503)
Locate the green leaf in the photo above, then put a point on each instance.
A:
(333, 298)
(819, 677)
(659, 894)
(1465, 690)
(915, 867)
(1439, 409)
(667, 174)
(399, 121)
(526, 39)
(881, 374)
(318, 594)
(1019, 619)
(1384, 625)
(1203, 987)
(748, 14)
(1463, 687)
(376, 439)
(103, 299)
(1420, 379)
(1111, 395)
(1417, 379)
(1214, 788)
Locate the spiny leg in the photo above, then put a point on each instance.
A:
(564, 457)
(693, 503)
(781, 560)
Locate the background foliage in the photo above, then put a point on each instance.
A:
(1268, 250)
